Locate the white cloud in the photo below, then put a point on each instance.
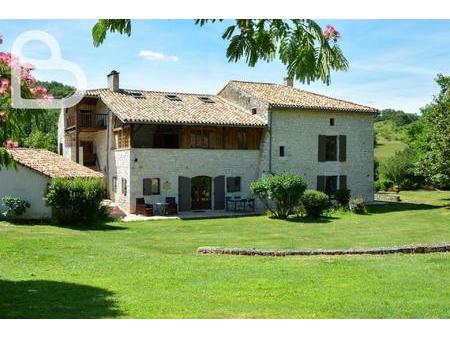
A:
(151, 55)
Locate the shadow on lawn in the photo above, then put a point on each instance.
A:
(323, 219)
(50, 299)
(94, 226)
(400, 206)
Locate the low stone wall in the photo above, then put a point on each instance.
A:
(412, 249)
(387, 197)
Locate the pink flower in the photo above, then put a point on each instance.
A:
(11, 144)
(4, 86)
(2, 114)
(331, 32)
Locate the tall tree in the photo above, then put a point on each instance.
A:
(432, 138)
(12, 120)
(308, 52)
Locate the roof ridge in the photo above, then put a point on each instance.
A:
(268, 83)
(155, 91)
(301, 90)
(333, 98)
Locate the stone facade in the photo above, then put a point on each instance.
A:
(298, 131)
(169, 164)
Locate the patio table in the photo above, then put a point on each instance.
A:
(161, 208)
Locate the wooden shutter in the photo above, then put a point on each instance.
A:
(321, 183)
(343, 182)
(342, 148)
(147, 186)
(322, 149)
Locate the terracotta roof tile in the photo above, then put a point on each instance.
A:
(51, 164)
(282, 96)
(155, 107)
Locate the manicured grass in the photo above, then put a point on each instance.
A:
(150, 269)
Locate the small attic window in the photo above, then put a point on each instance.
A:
(254, 111)
(206, 99)
(173, 97)
(137, 95)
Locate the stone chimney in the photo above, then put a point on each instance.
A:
(288, 82)
(113, 81)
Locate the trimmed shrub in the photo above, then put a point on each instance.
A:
(279, 193)
(357, 205)
(343, 197)
(15, 206)
(383, 185)
(315, 203)
(76, 200)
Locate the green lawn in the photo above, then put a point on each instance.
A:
(150, 269)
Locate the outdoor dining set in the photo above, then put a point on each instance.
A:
(239, 204)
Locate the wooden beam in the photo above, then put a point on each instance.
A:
(77, 138)
(77, 146)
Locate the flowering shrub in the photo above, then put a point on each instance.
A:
(11, 120)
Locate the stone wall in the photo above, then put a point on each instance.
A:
(243, 99)
(298, 131)
(119, 166)
(168, 164)
(410, 249)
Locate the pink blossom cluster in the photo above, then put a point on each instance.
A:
(27, 78)
(4, 86)
(11, 144)
(331, 32)
(7, 59)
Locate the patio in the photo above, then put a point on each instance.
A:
(192, 215)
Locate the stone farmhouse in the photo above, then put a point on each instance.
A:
(202, 148)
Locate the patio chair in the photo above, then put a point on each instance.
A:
(172, 207)
(143, 208)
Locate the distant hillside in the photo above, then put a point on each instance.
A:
(390, 126)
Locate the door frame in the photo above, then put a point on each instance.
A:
(206, 205)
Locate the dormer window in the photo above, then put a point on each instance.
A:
(173, 97)
(206, 99)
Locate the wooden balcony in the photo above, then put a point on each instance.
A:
(86, 121)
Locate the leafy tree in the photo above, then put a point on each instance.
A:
(44, 132)
(433, 137)
(41, 140)
(398, 117)
(12, 120)
(400, 169)
(279, 193)
(308, 52)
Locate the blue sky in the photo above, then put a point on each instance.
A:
(392, 62)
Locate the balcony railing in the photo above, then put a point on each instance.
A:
(86, 120)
